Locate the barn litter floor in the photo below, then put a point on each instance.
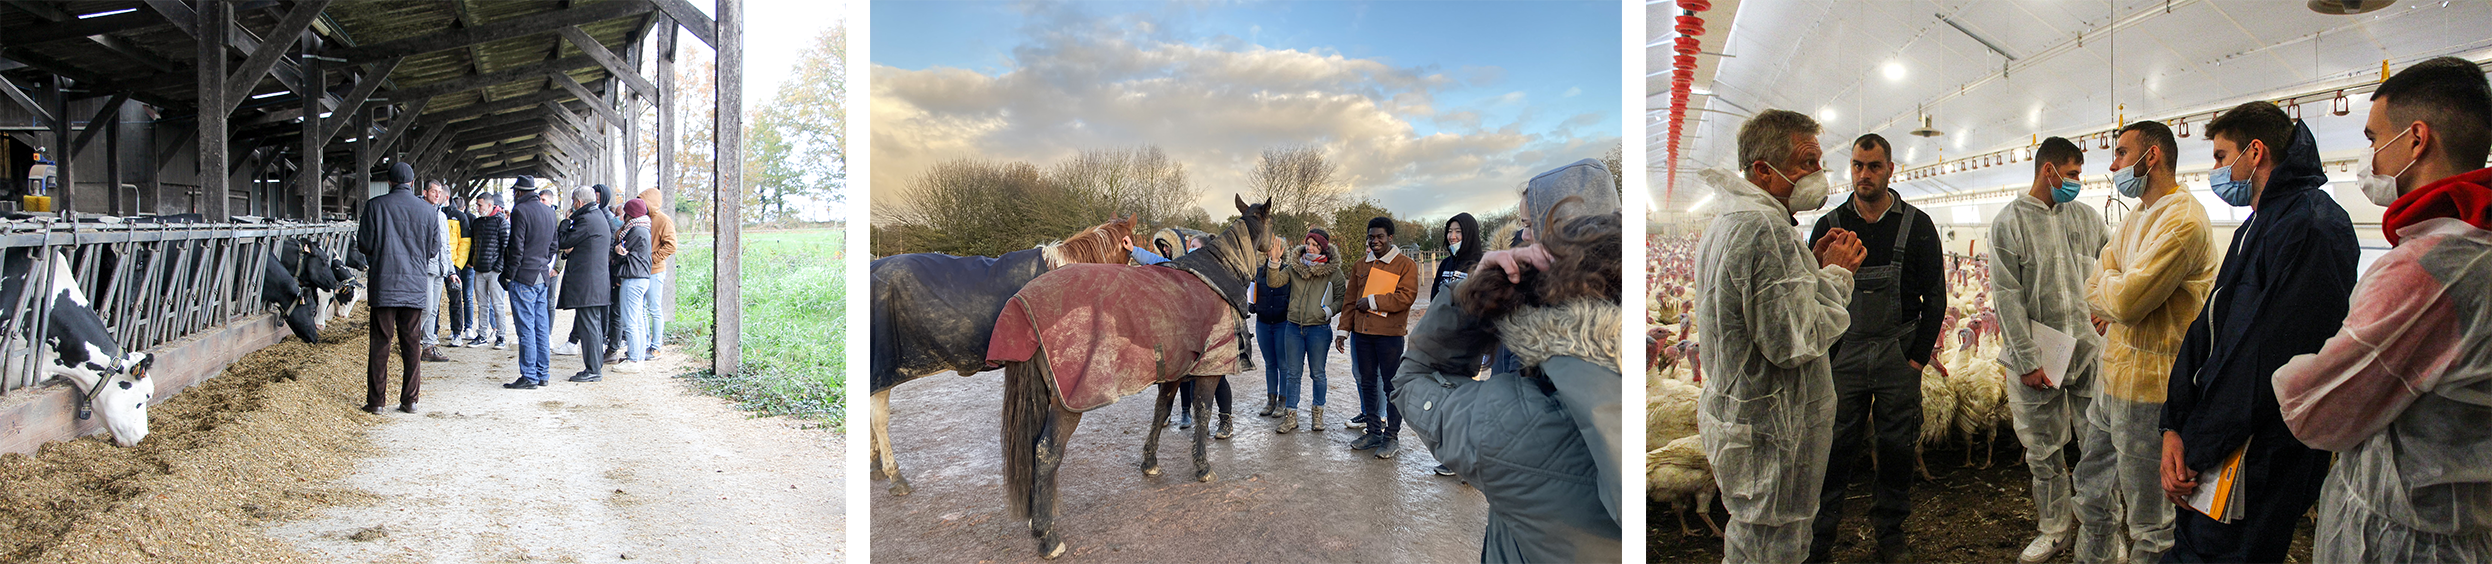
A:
(637, 467)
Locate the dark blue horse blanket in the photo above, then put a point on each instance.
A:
(933, 312)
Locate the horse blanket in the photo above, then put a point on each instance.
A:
(1112, 330)
(933, 312)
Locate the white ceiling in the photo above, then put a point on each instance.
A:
(2075, 67)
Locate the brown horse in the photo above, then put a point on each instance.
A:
(933, 312)
(1081, 337)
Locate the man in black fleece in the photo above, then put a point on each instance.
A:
(399, 235)
(528, 263)
(587, 242)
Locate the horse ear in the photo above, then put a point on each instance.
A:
(1241, 204)
(1267, 205)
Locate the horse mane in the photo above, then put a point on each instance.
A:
(1233, 249)
(1100, 244)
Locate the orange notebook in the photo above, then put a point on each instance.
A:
(2220, 498)
(1379, 281)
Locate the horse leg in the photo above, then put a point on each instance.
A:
(1203, 389)
(1159, 420)
(1051, 441)
(885, 463)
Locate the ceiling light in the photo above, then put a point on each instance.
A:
(1894, 70)
(1825, 114)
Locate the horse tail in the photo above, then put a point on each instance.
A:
(1027, 404)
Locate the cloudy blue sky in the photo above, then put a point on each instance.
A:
(1430, 108)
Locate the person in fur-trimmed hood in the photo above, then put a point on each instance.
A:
(1541, 441)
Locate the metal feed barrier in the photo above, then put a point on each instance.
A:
(166, 281)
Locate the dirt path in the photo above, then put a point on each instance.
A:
(636, 467)
(1300, 497)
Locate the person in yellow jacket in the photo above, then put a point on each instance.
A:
(2154, 278)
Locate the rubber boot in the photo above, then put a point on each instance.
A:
(1225, 430)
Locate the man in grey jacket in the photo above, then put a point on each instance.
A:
(587, 242)
(400, 234)
(439, 269)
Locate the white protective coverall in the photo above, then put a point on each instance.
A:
(2040, 256)
(1768, 314)
(2402, 394)
(2154, 278)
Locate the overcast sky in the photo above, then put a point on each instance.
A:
(1430, 108)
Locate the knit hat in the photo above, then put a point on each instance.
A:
(1321, 237)
(401, 174)
(634, 208)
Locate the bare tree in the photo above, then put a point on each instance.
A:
(1141, 180)
(1298, 180)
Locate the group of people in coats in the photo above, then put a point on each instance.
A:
(606, 263)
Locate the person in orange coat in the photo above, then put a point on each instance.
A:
(1376, 322)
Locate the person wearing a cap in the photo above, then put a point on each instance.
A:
(528, 255)
(399, 236)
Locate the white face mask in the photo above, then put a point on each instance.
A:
(1808, 193)
(2382, 188)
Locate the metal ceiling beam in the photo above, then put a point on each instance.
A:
(614, 65)
(521, 26)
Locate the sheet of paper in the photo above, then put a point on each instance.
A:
(2055, 348)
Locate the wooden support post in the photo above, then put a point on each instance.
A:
(727, 230)
(311, 89)
(362, 176)
(215, 18)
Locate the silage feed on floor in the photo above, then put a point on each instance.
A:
(260, 443)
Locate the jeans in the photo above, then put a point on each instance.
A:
(1268, 340)
(461, 302)
(432, 311)
(659, 291)
(635, 304)
(1374, 358)
(489, 295)
(534, 324)
(1302, 352)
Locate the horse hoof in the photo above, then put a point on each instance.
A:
(1205, 476)
(900, 489)
(1050, 548)
(1151, 470)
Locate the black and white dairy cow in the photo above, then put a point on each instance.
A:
(298, 280)
(77, 347)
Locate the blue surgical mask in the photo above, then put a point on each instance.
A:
(2234, 191)
(2128, 182)
(2066, 192)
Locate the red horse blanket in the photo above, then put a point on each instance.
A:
(1112, 330)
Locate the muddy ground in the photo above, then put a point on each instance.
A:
(1967, 515)
(1299, 497)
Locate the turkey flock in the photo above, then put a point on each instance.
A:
(1963, 390)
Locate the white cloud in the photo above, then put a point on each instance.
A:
(1572, 91)
(1215, 109)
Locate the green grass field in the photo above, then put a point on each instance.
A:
(795, 322)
